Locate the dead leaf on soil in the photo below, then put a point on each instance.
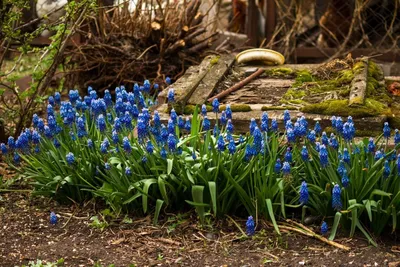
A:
(118, 241)
(396, 249)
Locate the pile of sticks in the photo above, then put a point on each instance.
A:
(151, 42)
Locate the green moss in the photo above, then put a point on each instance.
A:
(281, 72)
(237, 107)
(294, 94)
(345, 93)
(267, 108)
(214, 60)
(367, 133)
(341, 108)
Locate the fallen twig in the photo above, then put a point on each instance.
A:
(238, 85)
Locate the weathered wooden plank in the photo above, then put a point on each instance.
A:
(359, 85)
(208, 84)
(187, 84)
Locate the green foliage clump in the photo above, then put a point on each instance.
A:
(92, 154)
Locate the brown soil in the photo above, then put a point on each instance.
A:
(178, 241)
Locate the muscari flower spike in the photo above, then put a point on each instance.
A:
(53, 218)
(223, 118)
(220, 143)
(323, 156)
(126, 145)
(278, 166)
(107, 166)
(206, 124)
(204, 110)
(386, 169)
(336, 198)
(3, 149)
(250, 226)
(229, 126)
(324, 139)
(345, 179)
(311, 136)
(257, 139)
(371, 145)
(341, 168)
(228, 112)
(324, 228)
(128, 171)
(286, 116)
(333, 142)
(317, 128)
(70, 158)
(288, 155)
(346, 156)
(171, 95)
(168, 80)
(286, 168)
(215, 105)
(274, 125)
(304, 154)
(231, 147)
(396, 137)
(291, 137)
(149, 147)
(304, 195)
(171, 142)
(386, 130)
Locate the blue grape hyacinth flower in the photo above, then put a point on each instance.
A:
(128, 171)
(204, 110)
(396, 137)
(206, 124)
(304, 195)
(3, 149)
(149, 147)
(386, 130)
(228, 112)
(168, 80)
(371, 145)
(70, 158)
(274, 125)
(317, 128)
(286, 168)
(386, 169)
(215, 105)
(278, 166)
(336, 198)
(171, 95)
(345, 179)
(220, 143)
(304, 154)
(231, 147)
(324, 228)
(323, 156)
(288, 155)
(250, 226)
(53, 218)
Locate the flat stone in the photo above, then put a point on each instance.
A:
(208, 84)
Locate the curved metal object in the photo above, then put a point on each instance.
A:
(269, 57)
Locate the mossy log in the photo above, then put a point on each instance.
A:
(359, 84)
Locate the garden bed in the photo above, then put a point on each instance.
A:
(178, 241)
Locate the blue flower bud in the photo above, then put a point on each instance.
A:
(228, 112)
(168, 80)
(107, 166)
(303, 193)
(172, 142)
(323, 156)
(126, 145)
(188, 125)
(231, 147)
(317, 128)
(324, 228)
(149, 147)
(171, 95)
(304, 154)
(53, 218)
(206, 124)
(286, 168)
(386, 130)
(250, 226)
(220, 144)
(229, 126)
(345, 179)
(215, 105)
(311, 136)
(128, 171)
(274, 125)
(346, 156)
(204, 110)
(90, 143)
(70, 158)
(336, 198)
(3, 149)
(278, 166)
(386, 169)
(288, 155)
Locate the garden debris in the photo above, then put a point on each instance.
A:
(123, 47)
(302, 229)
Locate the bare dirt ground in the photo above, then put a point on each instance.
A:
(178, 240)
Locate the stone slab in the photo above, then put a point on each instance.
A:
(207, 85)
